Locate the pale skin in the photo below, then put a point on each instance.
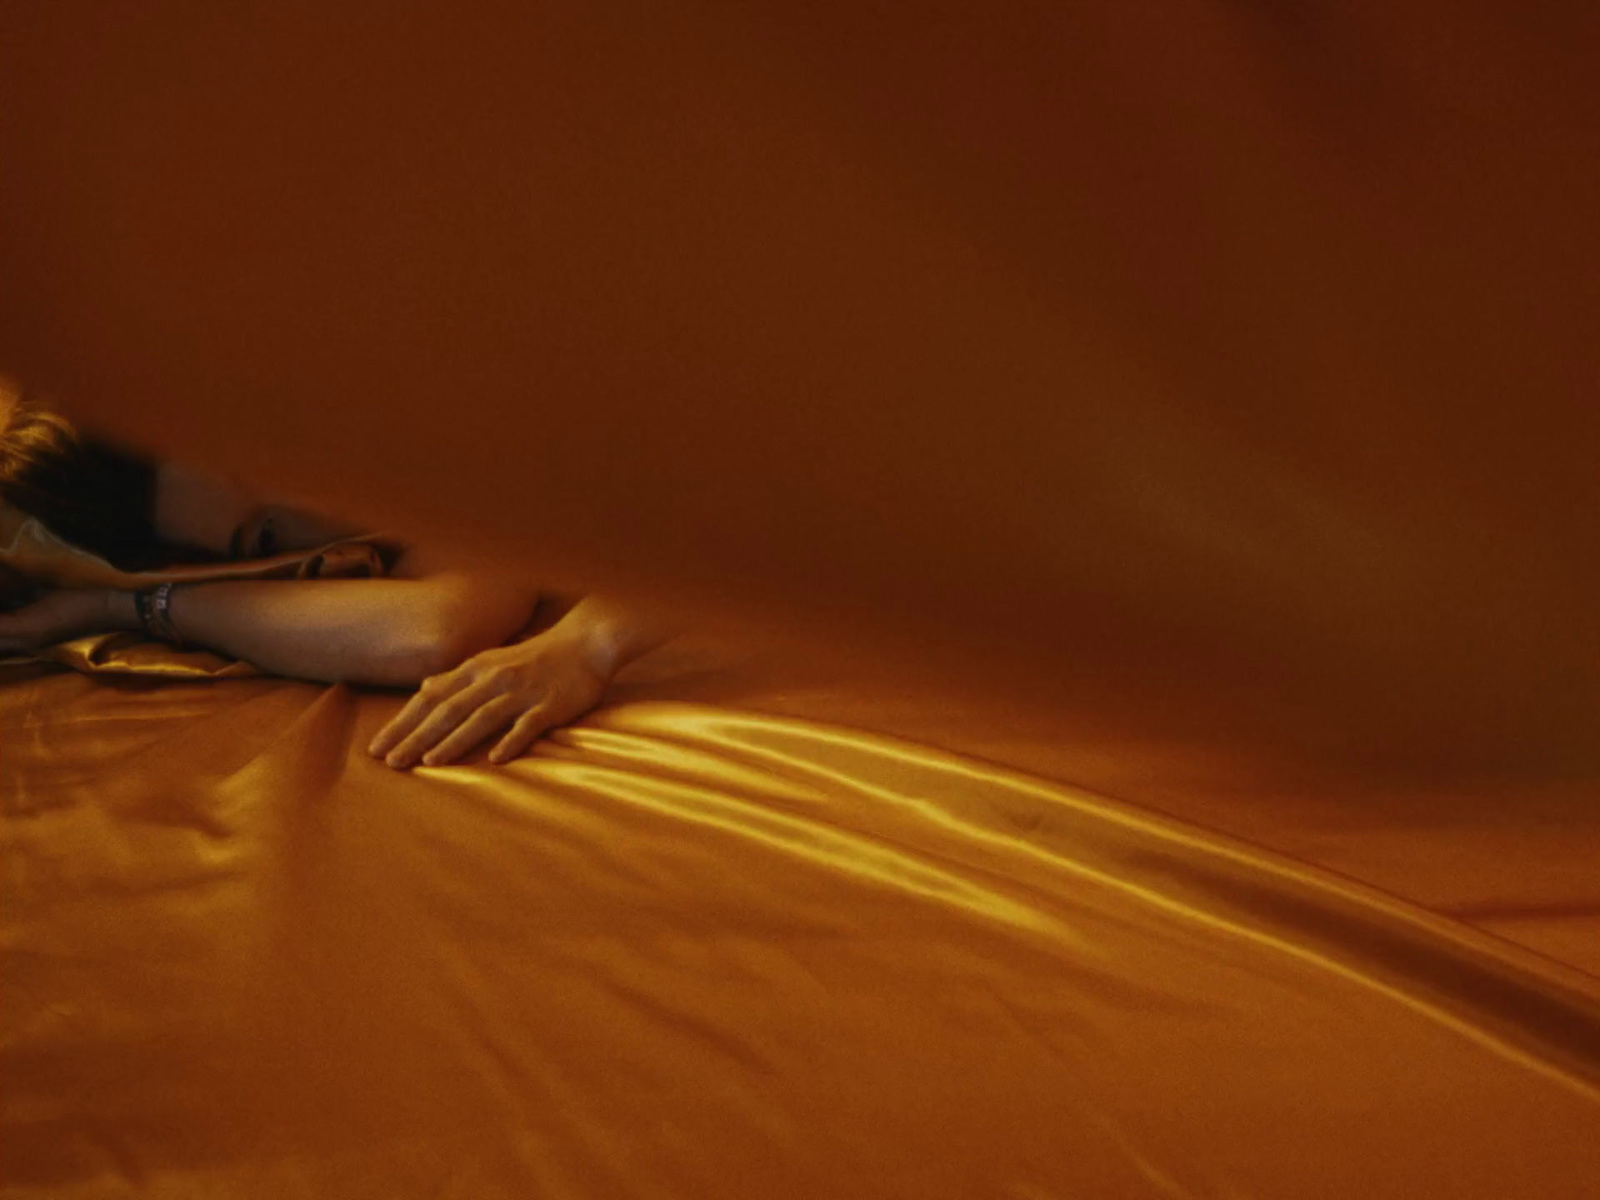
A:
(518, 691)
(433, 623)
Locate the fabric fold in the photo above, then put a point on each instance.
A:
(690, 950)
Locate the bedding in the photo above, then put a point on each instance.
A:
(1136, 472)
(710, 942)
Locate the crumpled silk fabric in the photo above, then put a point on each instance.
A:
(690, 951)
(1220, 372)
(30, 549)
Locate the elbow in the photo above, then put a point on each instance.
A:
(453, 646)
(448, 626)
(408, 666)
(440, 643)
(427, 654)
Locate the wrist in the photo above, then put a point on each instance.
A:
(152, 610)
(596, 640)
(119, 610)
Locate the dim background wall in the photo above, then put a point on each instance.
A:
(1230, 359)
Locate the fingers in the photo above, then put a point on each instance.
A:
(531, 687)
(523, 734)
(434, 691)
(489, 718)
(437, 724)
(402, 723)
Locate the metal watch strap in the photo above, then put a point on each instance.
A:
(154, 606)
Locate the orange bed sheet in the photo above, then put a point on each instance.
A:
(708, 944)
(1194, 408)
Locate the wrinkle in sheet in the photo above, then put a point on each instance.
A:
(1213, 870)
(692, 952)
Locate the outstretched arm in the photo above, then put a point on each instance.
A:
(393, 632)
(519, 691)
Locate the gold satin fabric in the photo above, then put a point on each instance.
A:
(691, 950)
(1193, 409)
(32, 550)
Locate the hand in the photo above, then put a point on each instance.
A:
(531, 687)
(58, 616)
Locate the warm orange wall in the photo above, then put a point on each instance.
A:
(1240, 341)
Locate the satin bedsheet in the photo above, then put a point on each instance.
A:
(1226, 369)
(697, 948)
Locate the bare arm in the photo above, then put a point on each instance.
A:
(613, 631)
(432, 612)
(522, 690)
(393, 632)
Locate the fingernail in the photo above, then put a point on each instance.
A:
(395, 760)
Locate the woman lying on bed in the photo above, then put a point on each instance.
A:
(430, 621)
